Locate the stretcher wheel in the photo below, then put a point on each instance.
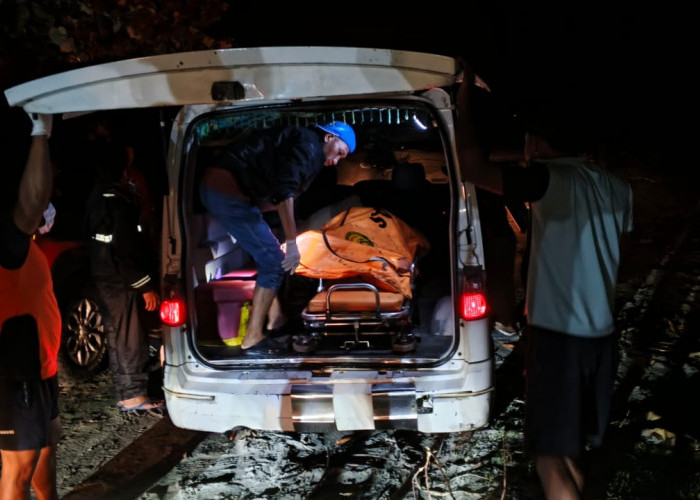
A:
(306, 343)
(403, 342)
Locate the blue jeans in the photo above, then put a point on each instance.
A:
(245, 223)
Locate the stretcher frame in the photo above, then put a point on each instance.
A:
(345, 307)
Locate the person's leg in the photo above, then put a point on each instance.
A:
(44, 478)
(576, 472)
(16, 474)
(559, 476)
(109, 306)
(133, 353)
(553, 412)
(275, 316)
(26, 412)
(128, 349)
(262, 300)
(245, 223)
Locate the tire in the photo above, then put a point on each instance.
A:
(84, 341)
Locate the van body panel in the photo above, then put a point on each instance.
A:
(423, 367)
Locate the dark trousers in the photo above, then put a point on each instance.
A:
(128, 343)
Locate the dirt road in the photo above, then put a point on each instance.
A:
(653, 425)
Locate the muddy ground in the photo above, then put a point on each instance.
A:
(652, 449)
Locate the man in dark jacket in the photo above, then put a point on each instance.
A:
(122, 264)
(269, 166)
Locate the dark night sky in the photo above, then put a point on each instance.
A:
(520, 49)
(626, 64)
(631, 66)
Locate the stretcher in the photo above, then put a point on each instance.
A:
(365, 263)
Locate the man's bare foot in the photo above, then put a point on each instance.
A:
(138, 403)
(251, 341)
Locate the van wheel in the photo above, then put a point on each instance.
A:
(306, 343)
(84, 343)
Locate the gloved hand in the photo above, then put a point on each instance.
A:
(41, 124)
(49, 217)
(291, 257)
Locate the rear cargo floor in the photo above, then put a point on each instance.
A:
(427, 347)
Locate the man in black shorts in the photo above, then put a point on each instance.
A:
(30, 333)
(579, 213)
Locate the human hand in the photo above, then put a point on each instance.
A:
(151, 300)
(41, 124)
(291, 257)
(468, 76)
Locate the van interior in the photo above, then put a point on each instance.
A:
(398, 308)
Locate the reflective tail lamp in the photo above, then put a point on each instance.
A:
(472, 300)
(172, 312)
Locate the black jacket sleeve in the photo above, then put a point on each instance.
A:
(120, 252)
(298, 160)
(130, 249)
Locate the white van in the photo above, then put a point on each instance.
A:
(356, 352)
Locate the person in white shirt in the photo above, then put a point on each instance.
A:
(579, 214)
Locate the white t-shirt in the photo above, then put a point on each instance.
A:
(575, 254)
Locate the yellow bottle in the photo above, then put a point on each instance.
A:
(242, 325)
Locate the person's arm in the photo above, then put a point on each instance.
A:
(37, 180)
(285, 209)
(474, 165)
(295, 166)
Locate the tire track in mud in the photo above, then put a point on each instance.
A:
(378, 464)
(654, 424)
(256, 464)
(636, 332)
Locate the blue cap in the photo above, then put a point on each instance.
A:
(341, 130)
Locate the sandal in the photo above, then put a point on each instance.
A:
(145, 406)
(268, 345)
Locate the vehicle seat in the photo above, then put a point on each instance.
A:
(409, 189)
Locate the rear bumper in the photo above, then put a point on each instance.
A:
(448, 400)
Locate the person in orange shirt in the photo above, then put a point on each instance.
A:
(30, 335)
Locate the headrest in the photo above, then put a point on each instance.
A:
(408, 176)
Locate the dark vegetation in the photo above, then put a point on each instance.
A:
(42, 37)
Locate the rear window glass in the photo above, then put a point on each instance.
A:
(386, 135)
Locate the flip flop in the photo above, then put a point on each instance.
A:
(145, 406)
(267, 345)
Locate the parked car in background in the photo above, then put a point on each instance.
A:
(83, 340)
(362, 350)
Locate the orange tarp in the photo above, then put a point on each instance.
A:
(364, 242)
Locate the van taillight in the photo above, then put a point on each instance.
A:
(172, 312)
(472, 303)
(473, 306)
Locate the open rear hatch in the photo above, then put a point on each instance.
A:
(375, 278)
(400, 169)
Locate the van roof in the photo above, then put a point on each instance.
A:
(240, 75)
